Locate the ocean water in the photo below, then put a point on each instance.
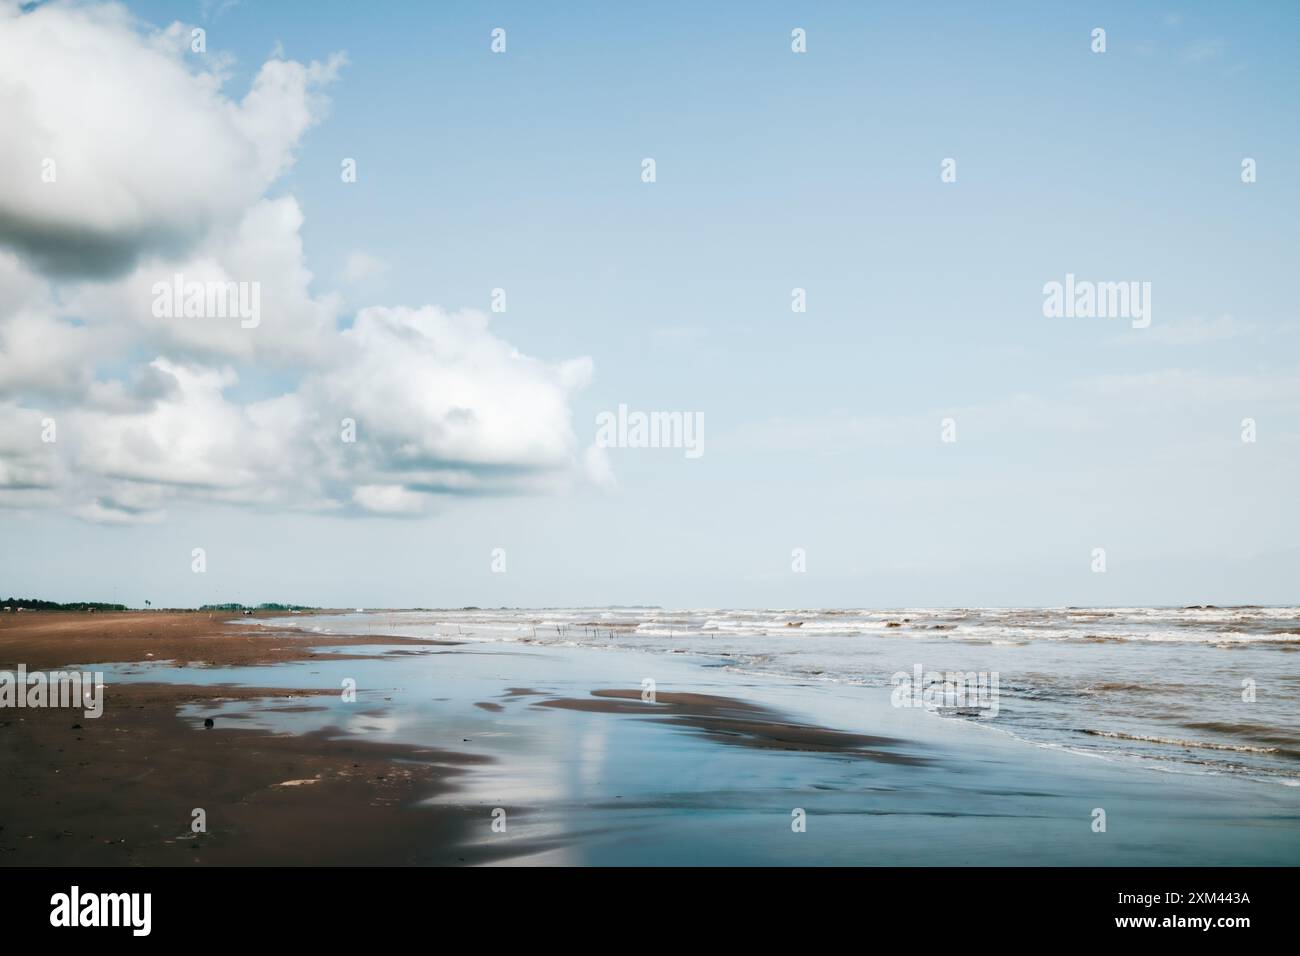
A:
(1189, 690)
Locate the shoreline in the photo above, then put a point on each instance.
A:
(277, 793)
(446, 733)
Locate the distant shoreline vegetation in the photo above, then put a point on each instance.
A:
(36, 604)
(258, 607)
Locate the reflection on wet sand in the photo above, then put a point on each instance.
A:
(737, 722)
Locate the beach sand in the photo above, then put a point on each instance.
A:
(121, 789)
(447, 737)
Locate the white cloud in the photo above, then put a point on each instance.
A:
(39, 353)
(389, 499)
(599, 469)
(161, 173)
(263, 247)
(147, 153)
(437, 395)
(29, 467)
(361, 266)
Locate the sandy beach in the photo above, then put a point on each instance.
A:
(120, 790)
(466, 753)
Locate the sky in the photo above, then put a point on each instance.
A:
(478, 475)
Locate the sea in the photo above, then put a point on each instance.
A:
(1203, 690)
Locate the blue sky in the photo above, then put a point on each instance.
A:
(820, 171)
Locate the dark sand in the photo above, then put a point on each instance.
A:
(120, 789)
(45, 640)
(441, 737)
(738, 722)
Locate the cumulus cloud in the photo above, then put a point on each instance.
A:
(29, 469)
(439, 390)
(128, 167)
(389, 499)
(117, 144)
(264, 247)
(40, 353)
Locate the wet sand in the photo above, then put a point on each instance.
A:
(48, 640)
(445, 736)
(122, 789)
(738, 722)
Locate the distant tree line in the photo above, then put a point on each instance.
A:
(34, 604)
(260, 607)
